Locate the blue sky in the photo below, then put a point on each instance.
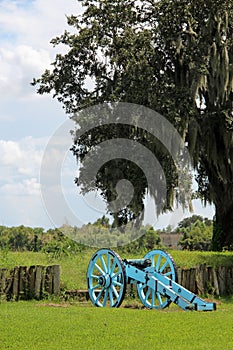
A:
(28, 120)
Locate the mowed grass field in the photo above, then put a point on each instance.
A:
(56, 324)
(41, 325)
(74, 267)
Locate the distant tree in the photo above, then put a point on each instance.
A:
(103, 221)
(20, 238)
(197, 236)
(189, 221)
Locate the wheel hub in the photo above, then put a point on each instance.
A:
(105, 280)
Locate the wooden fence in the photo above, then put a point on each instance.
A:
(25, 283)
(201, 280)
(207, 280)
(38, 281)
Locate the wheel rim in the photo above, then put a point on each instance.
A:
(163, 263)
(106, 279)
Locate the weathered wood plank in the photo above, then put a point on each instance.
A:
(16, 283)
(38, 280)
(56, 279)
(23, 282)
(2, 280)
(31, 282)
(49, 280)
(221, 273)
(229, 280)
(192, 281)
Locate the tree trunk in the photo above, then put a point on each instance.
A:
(223, 224)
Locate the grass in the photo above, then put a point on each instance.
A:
(39, 326)
(188, 259)
(74, 267)
(49, 324)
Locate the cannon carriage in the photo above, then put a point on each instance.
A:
(155, 277)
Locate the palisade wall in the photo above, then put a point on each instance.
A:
(204, 279)
(32, 282)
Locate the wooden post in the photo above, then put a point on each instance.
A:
(16, 283)
(38, 280)
(229, 280)
(200, 279)
(2, 280)
(222, 280)
(215, 280)
(28, 283)
(56, 279)
(31, 282)
(23, 282)
(48, 280)
(185, 278)
(179, 275)
(192, 281)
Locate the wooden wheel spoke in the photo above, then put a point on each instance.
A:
(103, 263)
(117, 283)
(148, 292)
(96, 286)
(162, 263)
(116, 274)
(105, 297)
(106, 279)
(99, 295)
(163, 267)
(159, 299)
(111, 297)
(158, 263)
(169, 273)
(99, 268)
(109, 263)
(115, 292)
(113, 266)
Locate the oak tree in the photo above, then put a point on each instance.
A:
(173, 56)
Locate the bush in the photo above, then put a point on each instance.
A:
(198, 236)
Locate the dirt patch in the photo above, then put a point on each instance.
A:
(53, 305)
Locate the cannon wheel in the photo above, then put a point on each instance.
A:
(163, 263)
(106, 279)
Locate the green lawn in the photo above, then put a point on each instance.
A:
(74, 267)
(36, 325)
(50, 325)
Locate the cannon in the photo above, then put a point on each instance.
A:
(155, 277)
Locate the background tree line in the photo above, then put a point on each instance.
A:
(196, 235)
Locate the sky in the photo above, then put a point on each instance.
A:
(28, 121)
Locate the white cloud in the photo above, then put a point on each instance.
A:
(23, 210)
(17, 68)
(20, 157)
(26, 29)
(28, 187)
(37, 22)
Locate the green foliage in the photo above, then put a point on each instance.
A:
(22, 238)
(191, 220)
(68, 240)
(103, 234)
(18, 238)
(173, 56)
(112, 46)
(197, 236)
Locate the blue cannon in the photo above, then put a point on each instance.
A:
(155, 277)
